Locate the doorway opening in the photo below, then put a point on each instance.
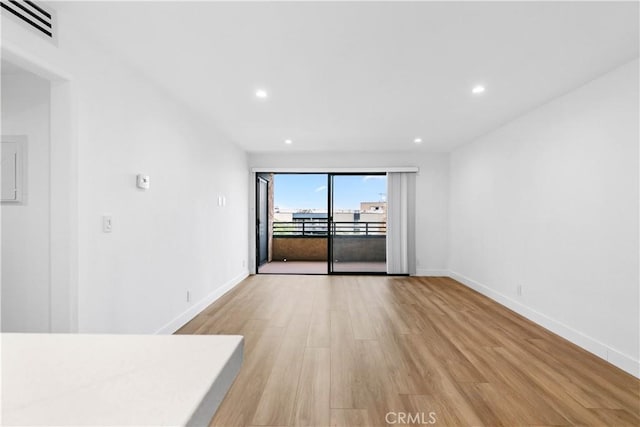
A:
(25, 203)
(39, 197)
(321, 223)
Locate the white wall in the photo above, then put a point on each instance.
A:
(432, 185)
(549, 202)
(168, 240)
(25, 226)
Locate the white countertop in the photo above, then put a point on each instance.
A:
(115, 380)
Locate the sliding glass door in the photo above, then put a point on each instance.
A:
(357, 223)
(313, 223)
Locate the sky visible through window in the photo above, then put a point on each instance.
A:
(294, 192)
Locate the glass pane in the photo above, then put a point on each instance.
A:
(359, 224)
(297, 236)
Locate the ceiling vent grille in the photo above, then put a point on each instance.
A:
(31, 13)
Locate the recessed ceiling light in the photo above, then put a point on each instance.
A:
(418, 141)
(288, 141)
(261, 93)
(478, 89)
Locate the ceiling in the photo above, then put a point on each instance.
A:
(364, 75)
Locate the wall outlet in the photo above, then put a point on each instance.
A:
(188, 296)
(519, 290)
(244, 263)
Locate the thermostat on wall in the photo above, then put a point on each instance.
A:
(142, 181)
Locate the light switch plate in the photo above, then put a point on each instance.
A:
(107, 223)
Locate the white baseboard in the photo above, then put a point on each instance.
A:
(431, 273)
(613, 356)
(195, 309)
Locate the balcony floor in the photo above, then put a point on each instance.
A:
(320, 267)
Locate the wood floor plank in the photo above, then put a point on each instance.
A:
(443, 385)
(320, 329)
(371, 390)
(396, 317)
(398, 364)
(360, 322)
(238, 407)
(312, 397)
(431, 408)
(615, 417)
(343, 361)
(192, 327)
(517, 384)
(350, 418)
(348, 350)
(338, 293)
(593, 381)
(276, 403)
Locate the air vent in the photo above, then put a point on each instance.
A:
(31, 13)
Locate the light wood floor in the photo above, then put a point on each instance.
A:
(347, 350)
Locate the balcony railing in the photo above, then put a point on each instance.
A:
(319, 229)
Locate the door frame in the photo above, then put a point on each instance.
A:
(255, 170)
(64, 210)
(256, 233)
(259, 178)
